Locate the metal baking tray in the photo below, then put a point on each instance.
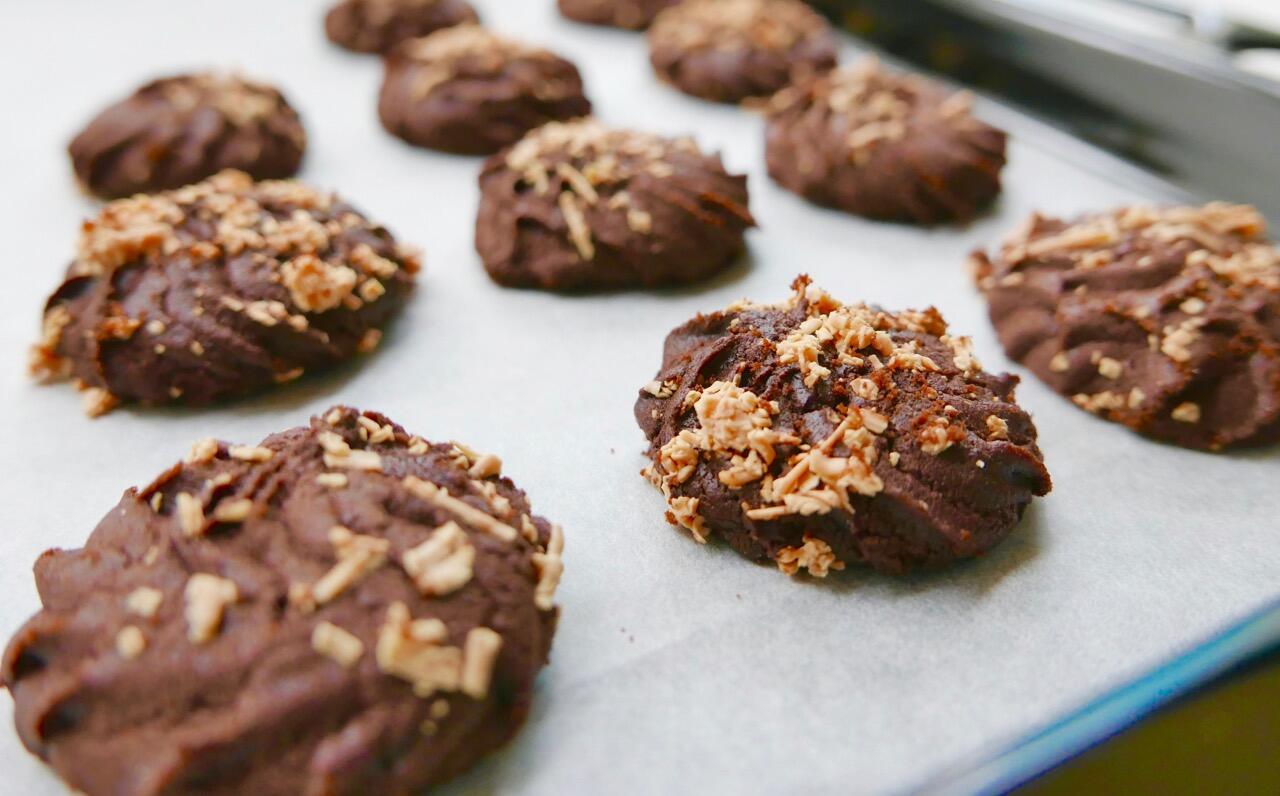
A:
(677, 667)
(1154, 80)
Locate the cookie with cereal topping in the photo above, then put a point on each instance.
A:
(377, 26)
(817, 434)
(578, 206)
(342, 608)
(630, 14)
(469, 91)
(734, 50)
(1165, 320)
(887, 146)
(179, 130)
(218, 290)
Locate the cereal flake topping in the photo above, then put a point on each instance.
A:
(207, 597)
(582, 160)
(416, 650)
(814, 555)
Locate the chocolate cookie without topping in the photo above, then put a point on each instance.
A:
(340, 609)
(578, 206)
(1166, 320)
(732, 50)
(376, 26)
(180, 130)
(218, 290)
(817, 434)
(881, 145)
(469, 91)
(632, 14)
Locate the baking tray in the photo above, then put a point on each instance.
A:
(677, 667)
(1149, 84)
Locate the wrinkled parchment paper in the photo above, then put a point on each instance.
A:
(677, 668)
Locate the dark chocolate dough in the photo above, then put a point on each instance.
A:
(218, 290)
(468, 91)
(376, 26)
(578, 206)
(342, 609)
(733, 50)
(818, 434)
(180, 130)
(1166, 320)
(882, 145)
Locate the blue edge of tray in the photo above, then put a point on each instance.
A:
(1115, 711)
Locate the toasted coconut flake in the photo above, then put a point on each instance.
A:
(190, 513)
(440, 497)
(337, 644)
(814, 555)
(479, 654)
(207, 597)
(414, 652)
(130, 643)
(358, 556)
(442, 564)
(250, 453)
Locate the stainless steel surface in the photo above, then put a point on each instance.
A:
(1152, 87)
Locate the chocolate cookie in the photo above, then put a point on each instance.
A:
(633, 14)
(815, 434)
(180, 130)
(469, 91)
(578, 206)
(881, 145)
(731, 50)
(376, 26)
(1166, 320)
(341, 609)
(217, 290)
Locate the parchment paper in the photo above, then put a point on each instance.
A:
(677, 668)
